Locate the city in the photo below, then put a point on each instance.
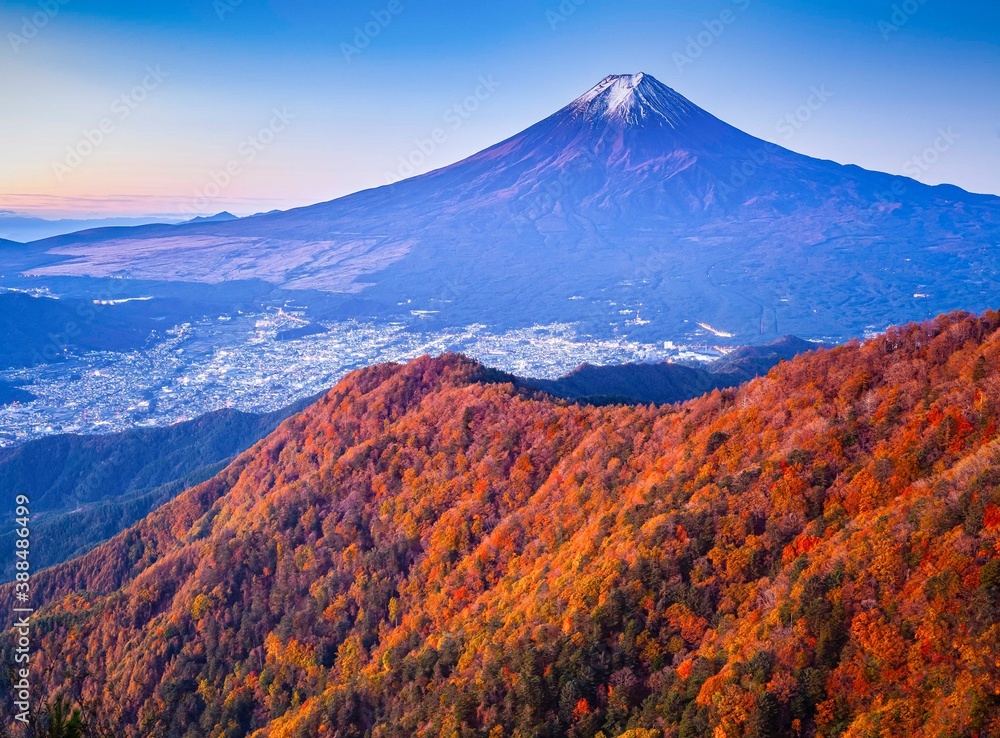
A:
(245, 362)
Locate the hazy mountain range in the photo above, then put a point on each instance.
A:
(23, 228)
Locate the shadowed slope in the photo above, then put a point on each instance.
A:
(86, 489)
(666, 383)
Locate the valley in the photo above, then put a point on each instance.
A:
(242, 361)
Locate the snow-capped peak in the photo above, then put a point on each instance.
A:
(636, 98)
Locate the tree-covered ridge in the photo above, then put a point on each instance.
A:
(86, 489)
(425, 553)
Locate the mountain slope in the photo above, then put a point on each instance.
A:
(631, 195)
(631, 383)
(665, 383)
(11, 393)
(749, 362)
(40, 330)
(86, 489)
(429, 551)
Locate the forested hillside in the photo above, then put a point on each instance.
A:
(429, 551)
(86, 489)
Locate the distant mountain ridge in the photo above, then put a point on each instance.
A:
(629, 196)
(666, 383)
(24, 229)
(222, 217)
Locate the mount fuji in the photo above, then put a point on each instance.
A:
(630, 209)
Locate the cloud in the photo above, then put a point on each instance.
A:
(170, 207)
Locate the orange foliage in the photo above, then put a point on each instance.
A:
(431, 550)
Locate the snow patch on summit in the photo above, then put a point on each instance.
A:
(636, 98)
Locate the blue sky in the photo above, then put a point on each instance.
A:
(125, 108)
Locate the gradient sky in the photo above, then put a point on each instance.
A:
(229, 65)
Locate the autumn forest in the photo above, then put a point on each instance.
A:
(435, 550)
